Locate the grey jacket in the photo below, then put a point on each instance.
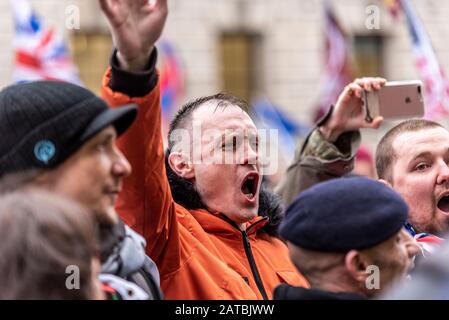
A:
(129, 261)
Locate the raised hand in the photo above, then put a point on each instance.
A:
(349, 113)
(135, 26)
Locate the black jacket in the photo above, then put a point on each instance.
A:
(287, 292)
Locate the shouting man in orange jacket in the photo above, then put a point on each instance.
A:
(201, 219)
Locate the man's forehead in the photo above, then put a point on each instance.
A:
(222, 117)
(426, 141)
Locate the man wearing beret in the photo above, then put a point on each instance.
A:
(411, 158)
(344, 233)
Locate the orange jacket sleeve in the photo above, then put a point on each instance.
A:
(146, 203)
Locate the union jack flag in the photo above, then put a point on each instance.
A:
(429, 243)
(40, 52)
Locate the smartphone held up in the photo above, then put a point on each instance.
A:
(395, 100)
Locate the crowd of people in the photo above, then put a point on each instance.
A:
(88, 187)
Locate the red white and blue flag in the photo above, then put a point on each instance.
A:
(40, 52)
(432, 74)
(171, 78)
(337, 73)
(429, 243)
(171, 82)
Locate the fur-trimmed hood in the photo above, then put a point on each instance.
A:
(184, 193)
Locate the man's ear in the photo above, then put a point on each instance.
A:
(181, 165)
(356, 265)
(385, 182)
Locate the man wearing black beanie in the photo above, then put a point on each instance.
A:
(61, 137)
(346, 237)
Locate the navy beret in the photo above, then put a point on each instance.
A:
(344, 214)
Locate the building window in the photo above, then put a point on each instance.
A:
(238, 61)
(368, 53)
(91, 53)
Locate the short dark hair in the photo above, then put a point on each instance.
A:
(41, 234)
(385, 154)
(183, 115)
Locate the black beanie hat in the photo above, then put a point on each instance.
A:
(42, 123)
(344, 214)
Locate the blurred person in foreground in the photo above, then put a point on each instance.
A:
(201, 219)
(344, 233)
(412, 158)
(430, 280)
(41, 237)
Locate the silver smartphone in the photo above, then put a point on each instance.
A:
(395, 100)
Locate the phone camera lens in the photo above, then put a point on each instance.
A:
(408, 100)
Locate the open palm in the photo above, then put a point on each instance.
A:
(136, 25)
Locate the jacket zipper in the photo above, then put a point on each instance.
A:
(249, 255)
(252, 263)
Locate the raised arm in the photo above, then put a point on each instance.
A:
(328, 152)
(145, 203)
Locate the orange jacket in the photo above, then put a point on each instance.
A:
(199, 254)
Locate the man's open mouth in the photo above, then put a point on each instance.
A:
(443, 203)
(249, 185)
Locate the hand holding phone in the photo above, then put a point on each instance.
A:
(349, 112)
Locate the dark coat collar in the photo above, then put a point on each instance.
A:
(287, 292)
